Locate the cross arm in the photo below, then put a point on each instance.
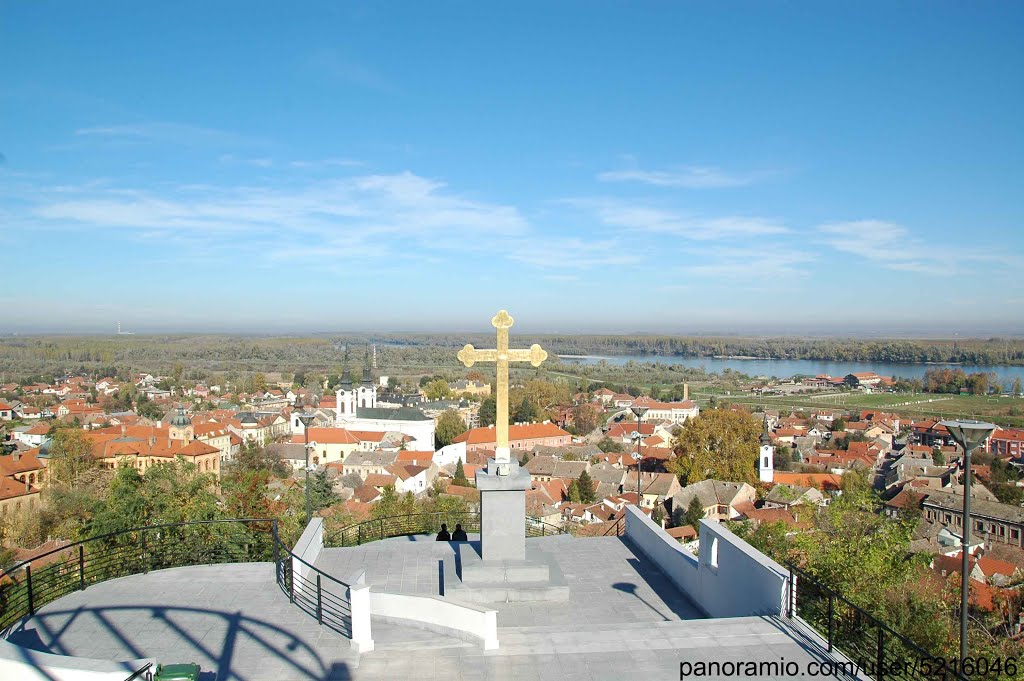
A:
(535, 355)
(470, 355)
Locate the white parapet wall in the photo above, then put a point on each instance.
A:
(729, 579)
(22, 664)
(437, 614)
(308, 548)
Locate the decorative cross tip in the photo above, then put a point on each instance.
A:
(467, 355)
(537, 355)
(502, 320)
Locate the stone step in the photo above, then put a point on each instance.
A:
(673, 634)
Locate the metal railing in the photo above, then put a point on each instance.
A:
(141, 672)
(874, 648)
(30, 584)
(318, 594)
(420, 523)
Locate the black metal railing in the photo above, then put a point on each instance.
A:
(30, 584)
(871, 647)
(141, 672)
(420, 523)
(318, 594)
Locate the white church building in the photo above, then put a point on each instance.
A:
(356, 409)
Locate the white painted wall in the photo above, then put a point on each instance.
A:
(450, 454)
(730, 579)
(308, 549)
(436, 614)
(24, 664)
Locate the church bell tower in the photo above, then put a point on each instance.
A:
(766, 458)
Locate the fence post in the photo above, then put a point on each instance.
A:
(291, 581)
(382, 529)
(81, 567)
(31, 596)
(359, 540)
(879, 669)
(831, 598)
(145, 563)
(319, 601)
(790, 597)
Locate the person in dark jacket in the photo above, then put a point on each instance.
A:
(459, 534)
(443, 534)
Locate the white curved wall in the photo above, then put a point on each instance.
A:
(24, 664)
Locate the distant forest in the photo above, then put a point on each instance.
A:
(27, 355)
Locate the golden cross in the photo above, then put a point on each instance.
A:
(502, 356)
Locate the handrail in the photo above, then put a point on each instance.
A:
(139, 672)
(797, 576)
(142, 528)
(23, 590)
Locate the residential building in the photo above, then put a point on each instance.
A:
(520, 437)
(718, 498)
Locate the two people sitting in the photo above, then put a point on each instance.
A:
(458, 535)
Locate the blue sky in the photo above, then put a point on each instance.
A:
(680, 167)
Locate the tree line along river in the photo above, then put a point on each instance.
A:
(784, 368)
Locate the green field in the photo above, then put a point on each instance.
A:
(1007, 411)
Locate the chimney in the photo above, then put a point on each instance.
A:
(124, 429)
(152, 441)
(686, 391)
(15, 456)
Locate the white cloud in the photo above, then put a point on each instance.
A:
(888, 245)
(164, 132)
(231, 159)
(557, 252)
(640, 216)
(325, 163)
(686, 177)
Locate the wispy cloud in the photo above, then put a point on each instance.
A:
(686, 177)
(164, 132)
(639, 215)
(231, 159)
(886, 244)
(339, 67)
(556, 252)
(401, 215)
(325, 163)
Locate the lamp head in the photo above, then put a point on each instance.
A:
(969, 434)
(306, 419)
(639, 411)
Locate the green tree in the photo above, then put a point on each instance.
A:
(938, 457)
(783, 459)
(437, 389)
(692, 516)
(388, 504)
(838, 425)
(585, 485)
(720, 444)
(1016, 387)
(449, 426)
(488, 411)
(525, 412)
(608, 445)
(321, 491)
(460, 475)
(70, 455)
(574, 492)
(658, 514)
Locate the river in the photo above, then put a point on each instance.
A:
(784, 368)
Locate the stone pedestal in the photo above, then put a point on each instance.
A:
(499, 568)
(503, 511)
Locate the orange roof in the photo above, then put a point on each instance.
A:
(527, 431)
(328, 436)
(11, 488)
(27, 462)
(410, 456)
(822, 481)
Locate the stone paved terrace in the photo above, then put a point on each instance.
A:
(233, 620)
(608, 581)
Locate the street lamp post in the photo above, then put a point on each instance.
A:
(639, 412)
(969, 435)
(306, 419)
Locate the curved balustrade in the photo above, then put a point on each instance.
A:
(420, 523)
(30, 584)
